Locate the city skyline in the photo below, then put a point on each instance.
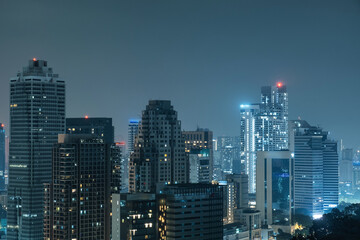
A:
(144, 55)
(204, 120)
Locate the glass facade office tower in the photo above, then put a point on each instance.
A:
(274, 187)
(330, 174)
(316, 169)
(37, 116)
(159, 153)
(263, 127)
(78, 199)
(2, 157)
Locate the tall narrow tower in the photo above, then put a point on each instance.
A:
(264, 127)
(2, 156)
(37, 116)
(132, 132)
(159, 151)
(273, 119)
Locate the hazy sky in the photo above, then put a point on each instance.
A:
(207, 57)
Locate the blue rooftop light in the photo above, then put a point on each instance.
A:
(134, 121)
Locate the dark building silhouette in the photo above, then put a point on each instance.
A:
(191, 211)
(159, 152)
(100, 127)
(134, 216)
(78, 199)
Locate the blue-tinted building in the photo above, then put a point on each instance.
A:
(316, 169)
(274, 184)
(2, 157)
(132, 132)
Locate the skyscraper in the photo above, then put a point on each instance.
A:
(133, 129)
(159, 153)
(316, 169)
(229, 154)
(2, 156)
(274, 187)
(249, 135)
(346, 165)
(264, 127)
(78, 199)
(330, 173)
(237, 196)
(37, 116)
(198, 146)
(132, 132)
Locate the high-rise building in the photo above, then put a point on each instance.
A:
(306, 144)
(99, 127)
(356, 175)
(263, 127)
(330, 174)
(229, 154)
(132, 132)
(199, 166)
(274, 188)
(134, 216)
(198, 146)
(346, 165)
(37, 116)
(191, 211)
(236, 195)
(2, 157)
(133, 129)
(316, 169)
(78, 198)
(248, 140)
(159, 152)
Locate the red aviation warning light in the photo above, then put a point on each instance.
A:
(34, 59)
(2, 125)
(122, 143)
(279, 84)
(86, 116)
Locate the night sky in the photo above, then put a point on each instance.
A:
(207, 57)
